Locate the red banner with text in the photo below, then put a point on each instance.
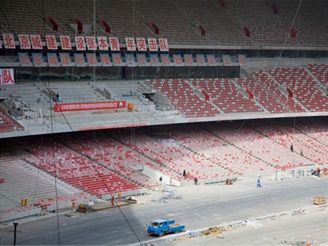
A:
(79, 106)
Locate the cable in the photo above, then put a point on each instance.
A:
(80, 142)
(286, 40)
(52, 137)
(281, 52)
(105, 184)
(84, 153)
(94, 33)
(286, 106)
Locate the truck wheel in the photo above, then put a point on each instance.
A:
(161, 234)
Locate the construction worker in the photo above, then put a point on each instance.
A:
(90, 205)
(196, 180)
(57, 97)
(258, 182)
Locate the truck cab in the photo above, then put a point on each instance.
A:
(161, 227)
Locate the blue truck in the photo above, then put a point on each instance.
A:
(161, 227)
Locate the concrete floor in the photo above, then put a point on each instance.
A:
(200, 207)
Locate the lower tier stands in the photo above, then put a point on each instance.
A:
(20, 180)
(259, 146)
(208, 145)
(77, 170)
(104, 163)
(174, 159)
(113, 155)
(314, 149)
(317, 139)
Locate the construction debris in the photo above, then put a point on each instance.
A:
(214, 231)
(170, 194)
(210, 232)
(86, 208)
(251, 223)
(297, 243)
(319, 200)
(299, 212)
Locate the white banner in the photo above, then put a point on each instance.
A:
(130, 44)
(51, 42)
(83, 43)
(141, 44)
(24, 41)
(91, 42)
(163, 44)
(114, 44)
(80, 43)
(36, 42)
(7, 76)
(152, 44)
(65, 42)
(102, 43)
(8, 41)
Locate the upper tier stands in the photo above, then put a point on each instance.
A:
(310, 27)
(184, 98)
(225, 95)
(76, 92)
(268, 94)
(25, 100)
(172, 23)
(179, 21)
(306, 89)
(262, 94)
(7, 124)
(320, 71)
(281, 90)
(289, 103)
(215, 20)
(15, 17)
(265, 27)
(132, 91)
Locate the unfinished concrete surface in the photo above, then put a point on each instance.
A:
(287, 205)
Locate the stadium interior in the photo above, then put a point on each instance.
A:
(233, 88)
